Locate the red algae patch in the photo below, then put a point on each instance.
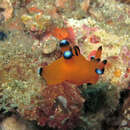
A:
(94, 39)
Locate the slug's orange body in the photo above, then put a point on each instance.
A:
(76, 70)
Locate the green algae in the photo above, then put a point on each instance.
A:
(19, 81)
(18, 93)
(101, 98)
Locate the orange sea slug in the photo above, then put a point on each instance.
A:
(73, 67)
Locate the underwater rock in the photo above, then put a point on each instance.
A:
(96, 14)
(15, 122)
(47, 49)
(95, 39)
(85, 5)
(3, 36)
(124, 123)
(8, 9)
(125, 1)
(62, 100)
(2, 18)
(60, 3)
(11, 123)
(125, 54)
(49, 45)
(36, 21)
(126, 112)
(19, 63)
(60, 107)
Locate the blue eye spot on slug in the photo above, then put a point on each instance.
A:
(64, 43)
(99, 71)
(92, 57)
(104, 62)
(39, 71)
(3, 36)
(68, 54)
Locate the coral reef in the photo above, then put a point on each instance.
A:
(60, 107)
(119, 118)
(30, 31)
(126, 1)
(100, 99)
(125, 123)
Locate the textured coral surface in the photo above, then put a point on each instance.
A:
(30, 31)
